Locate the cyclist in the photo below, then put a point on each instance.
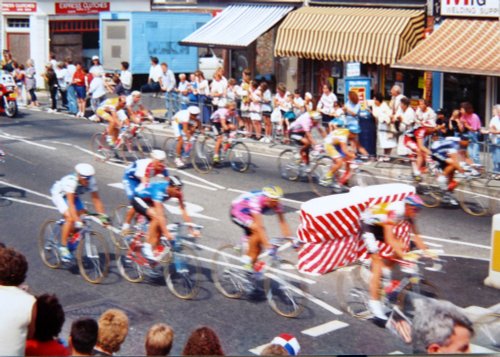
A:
(222, 125)
(135, 109)
(246, 212)
(66, 197)
(414, 140)
(377, 224)
(300, 132)
(148, 201)
(336, 146)
(141, 172)
(111, 110)
(185, 123)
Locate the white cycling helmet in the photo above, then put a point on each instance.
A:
(86, 170)
(158, 155)
(193, 110)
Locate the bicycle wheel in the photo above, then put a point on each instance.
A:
(228, 273)
(48, 243)
(127, 265)
(202, 157)
(170, 147)
(183, 272)
(92, 256)
(319, 184)
(239, 157)
(100, 147)
(129, 150)
(285, 291)
(362, 177)
(471, 199)
(429, 191)
(411, 291)
(118, 218)
(144, 144)
(352, 292)
(147, 137)
(288, 165)
(401, 170)
(487, 331)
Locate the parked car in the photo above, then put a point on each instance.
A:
(209, 62)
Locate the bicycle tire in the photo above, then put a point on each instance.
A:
(282, 289)
(129, 150)
(48, 243)
(182, 274)
(362, 177)
(128, 268)
(146, 135)
(227, 271)
(317, 176)
(100, 147)
(93, 254)
(170, 148)
(118, 217)
(406, 295)
(239, 157)
(401, 170)
(288, 165)
(352, 292)
(487, 330)
(429, 191)
(471, 200)
(202, 157)
(143, 146)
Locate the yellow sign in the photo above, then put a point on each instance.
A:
(421, 82)
(495, 255)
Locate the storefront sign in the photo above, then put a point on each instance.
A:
(18, 6)
(470, 8)
(360, 85)
(82, 7)
(353, 69)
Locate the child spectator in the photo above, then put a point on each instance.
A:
(203, 342)
(83, 337)
(113, 329)
(159, 340)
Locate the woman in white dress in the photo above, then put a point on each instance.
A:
(383, 116)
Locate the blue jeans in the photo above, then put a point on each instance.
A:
(495, 152)
(473, 148)
(171, 103)
(72, 104)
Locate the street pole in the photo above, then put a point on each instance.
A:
(493, 278)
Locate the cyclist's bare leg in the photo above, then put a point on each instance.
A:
(268, 126)
(337, 164)
(345, 177)
(304, 150)
(376, 269)
(180, 142)
(218, 144)
(68, 226)
(130, 215)
(154, 229)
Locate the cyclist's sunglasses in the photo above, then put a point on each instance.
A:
(86, 177)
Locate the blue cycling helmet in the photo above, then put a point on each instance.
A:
(354, 128)
(339, 123)
(414, 200)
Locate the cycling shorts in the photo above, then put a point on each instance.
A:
(440, 160)
(217, 129)
(243, 221)
(334, 151)
(61, 203)
(411, 144)
(297, 137)
(375, 229)
(141, 206)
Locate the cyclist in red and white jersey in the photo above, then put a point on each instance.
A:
(414, 140)
(222, 124)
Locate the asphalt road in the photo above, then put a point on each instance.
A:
(42, 148)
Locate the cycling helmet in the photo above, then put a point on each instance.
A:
(339, 123)
(175, 181)
(273, 192)
(158, 155)
(429, 123)
(414, 200)
(316, 115)
(193, 110)
(354, 128)
(85, 170)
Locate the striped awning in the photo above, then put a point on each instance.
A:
(237, 26)
(458, 46)
(345, 34)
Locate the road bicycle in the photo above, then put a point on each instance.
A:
(87, 246)
(353, 282)
(284, 286)
(178, 265)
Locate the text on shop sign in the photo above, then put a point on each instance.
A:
(83, 7)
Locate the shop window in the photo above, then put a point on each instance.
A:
(18, 23)
(458, 88)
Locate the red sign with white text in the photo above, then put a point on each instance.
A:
(82, 7)
(18, 6)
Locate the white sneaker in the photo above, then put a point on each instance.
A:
(179, 163)
(147, 252)
(376, 309)
(94, 118)
(125, 227)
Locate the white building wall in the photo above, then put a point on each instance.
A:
(39, 44)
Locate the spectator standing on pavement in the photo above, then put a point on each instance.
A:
(20, 79)
(218, 89)
(193, 90)
(79, 87)
(326, 103)
(440, 327)
(352, 107)
(113, 329)
(494, 130)
(203, 93)
(455, 125)
(83, 337)
(71, 92)
(61, 73)
(53, 61)
(396, 96)
(280, 103)
(52, 84)
(385, 133)
(97, 90)
(267, 99)
(472, 124)
(244, 95)
(404, 120)
(203, 342)
(17, 307)
(308, 102)
(167, 84)
(159, 340)
(96, 67)
(155, 73)
(49, 322)
(442, 123)
(368, 135)
(256, 109)
(8, 61)
(183, 91)
(31, 82)
(124, 87)
(424, 112)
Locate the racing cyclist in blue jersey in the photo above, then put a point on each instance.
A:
(148, 201)
(66, 197)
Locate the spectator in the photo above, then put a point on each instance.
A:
(219, 71)
(494, 130)
(386, 135)
(441, 123)
(113, 329)
(308, 102)
(193, 90)
(455, 125)
(124, 86)
(440, 327)
(159, 340)
(83, 337)
(352, 107)
(404, 120)
(256, 109)
(337, 112)
(51, 78)
(326, 102)
(53, 61)
(232, 90)
(396, 96)
(280, 102)
(8, 61)
(31, 82)
(267, 109)
(218, 88)
(244, 95)
(48, 325)
(288, 342)
(20, 78)
(96, 67)
(368, 136)
(155, 74)
(167, 84)
(274, 349)
(298, 104)
(97, 91)
(71, 92)
(61, 72)
(424, 112)
(183, 91)
(472, 123)
(203, 93)
(203, 342)
(79, 87)
(17, 308)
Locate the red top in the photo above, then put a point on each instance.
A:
(46, 348)
(79, 78)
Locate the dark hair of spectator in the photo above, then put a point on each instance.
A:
(405, 101)
(13, 267)
(155, 60)
(69, 60)
(49, 317)
(353, 97)
(164, 64)
(328, 85)
(203, 342)
(467, 106)
(2, 245)
(247, 72)
(425, 101)
(378, 97)
(84, 335)
(125, 65)
(296, 91)
(274, 350)
(254, 83)
(264, 86)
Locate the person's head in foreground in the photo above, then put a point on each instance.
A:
(203, 342)
(440, 327)
(83, 336)
(159, 340)
(282, 345)
(113, 329)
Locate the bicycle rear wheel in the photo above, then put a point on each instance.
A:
(288, 165)
(352, 292)
(362, 177)
(472, 200)
(127, 265)
(118, 218)
(92, 256)
(411, 291)
(170, 147)
(48, 243)
(239, 157)
(228, 273)
(429, 191)
(100, 147)
(401, 170)
(183, 272)
(144, 142)
(285, 289)
(147, 137)
(129, 150)
(317, 177)
(202, 157)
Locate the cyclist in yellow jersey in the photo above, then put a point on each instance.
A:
(111, 110)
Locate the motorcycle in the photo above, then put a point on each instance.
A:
(9, 94)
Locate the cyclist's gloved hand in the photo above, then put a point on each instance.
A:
(104, 219)
(78, 225)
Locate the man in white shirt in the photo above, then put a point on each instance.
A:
(155, 73)
(167, 83)
(396, 97)
(125, 85)
(97, 90)
(183, 90)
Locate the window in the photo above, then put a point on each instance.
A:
(18, 23)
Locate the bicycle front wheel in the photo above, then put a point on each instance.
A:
(170, 148)
(48, 243)
(202, 157)
(429, 191)
(100, 147)
(127, 265)
(129, 150)
(183, 273)
(92, 256)
(147, 137)
(472, 200)
(320, 184)
(285, 290)
(288, 165)
(352, 292)
(239, 157)
(228, 272)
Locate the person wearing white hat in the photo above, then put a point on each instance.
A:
(96, 67)
(184, 123)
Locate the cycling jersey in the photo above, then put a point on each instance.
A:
(138, 170)
(303, 124)
(418, 132)
(70, 184)
(440, 149)
(179, 119)
(219, 114)
(387, 212)
(248, 204)
(154, 191)
(110, 104)
(337, 137)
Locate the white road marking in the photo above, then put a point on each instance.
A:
(325, 328)
(464, 257)
(200, 186)
(27, 202)
(16, 138)
(434, 245)
(451, 241)
(117, 185)
(396, 353)
(192, 209)
(25, 189)
(198, 178)
(258, 350)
